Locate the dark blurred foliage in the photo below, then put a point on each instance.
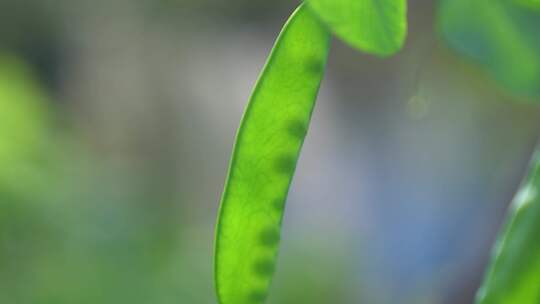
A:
(501, 36)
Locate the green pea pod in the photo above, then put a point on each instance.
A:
(514, 273)
(264, 158)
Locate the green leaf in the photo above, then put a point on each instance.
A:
(532, 4)
(24, 128)
(514, 272)
(500, 36)
(374, 26)
(267, 147)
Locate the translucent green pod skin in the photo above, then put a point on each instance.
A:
(264, 159)
(514, 273)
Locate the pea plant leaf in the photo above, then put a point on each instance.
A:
(25, 124)
(501, 36)
(532, 4)
(514, 273)
(264, 158)
(374, 26)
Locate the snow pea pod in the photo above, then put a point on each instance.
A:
(264, 159)
(514, 273)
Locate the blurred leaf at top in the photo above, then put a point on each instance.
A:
(534, 4)
(374, 26)
(501, 36)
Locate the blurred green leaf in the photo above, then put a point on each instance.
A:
(500, 36)
(264, 159)
(533, 4)
(25, 126)
(373, 26)
(514, 273)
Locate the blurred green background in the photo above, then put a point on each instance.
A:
(117, 120)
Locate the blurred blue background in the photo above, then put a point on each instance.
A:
(117, 120)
